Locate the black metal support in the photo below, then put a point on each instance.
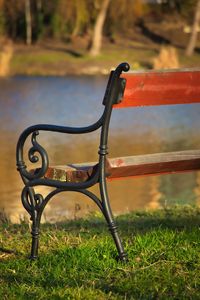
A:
(114, 93)
(35, 203)
(35, 241)
(109, 216)
(32, 203)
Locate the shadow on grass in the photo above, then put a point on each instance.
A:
(9, 251)
(64, 50)
(140, 222)
(154, 37)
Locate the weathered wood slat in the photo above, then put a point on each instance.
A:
(72, 172)
(161, 88)
(138, 165)
(150, 164)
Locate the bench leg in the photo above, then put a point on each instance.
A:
(31, 203)
(35, 238)
(122, 256)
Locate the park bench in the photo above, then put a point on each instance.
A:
(123, 90)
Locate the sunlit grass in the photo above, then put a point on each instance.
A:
(77, 258)
(56, 62)
(189, 61)
(52, 61)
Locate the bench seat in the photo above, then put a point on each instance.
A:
(130, 166)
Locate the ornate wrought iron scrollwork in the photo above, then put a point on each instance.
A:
(31, 154)
(32, 202)
(36, 148)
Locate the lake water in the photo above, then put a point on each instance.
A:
(76, 101)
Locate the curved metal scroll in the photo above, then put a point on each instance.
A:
(37, 148)
(36, 203)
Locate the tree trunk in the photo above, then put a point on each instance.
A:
(98, 29)
(40, 19)
(28, 22)
(1, 17)
(81, 16)
(193, 37)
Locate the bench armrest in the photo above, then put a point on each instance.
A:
(114, 91)
(33, 131)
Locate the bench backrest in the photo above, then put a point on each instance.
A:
(144, 89)
(161, 88)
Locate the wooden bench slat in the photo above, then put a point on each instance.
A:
(149, 164)
(72, 172)
(130, 166)
(161, 88)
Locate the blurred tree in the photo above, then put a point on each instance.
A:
(183, 8)
(123, 15)
(40, 18)
(138, 8)
(28, 22)
(172, 4)
(81, 17)
(31, 20)
(14, 18)
(63, 18)
(58, 17)
(98, 28)
(2, 18)
(194, 32)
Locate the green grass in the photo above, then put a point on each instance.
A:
(77, 258)
(42, 61)
(61, 63)
(60, 59)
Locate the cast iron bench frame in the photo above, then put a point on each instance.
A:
(150, 164)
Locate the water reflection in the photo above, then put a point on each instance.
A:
(76, 101)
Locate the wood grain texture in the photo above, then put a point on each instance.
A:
(161, 88)
(130, 166)
(152, 164)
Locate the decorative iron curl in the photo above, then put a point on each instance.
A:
(32, 202)
(31, 154)
(41, 155)
(40, 203)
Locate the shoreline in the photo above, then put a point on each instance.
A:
(60, 60)
(42, 61)
(5, 218)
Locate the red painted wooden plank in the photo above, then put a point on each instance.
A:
(161, 88)
(153, 164)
